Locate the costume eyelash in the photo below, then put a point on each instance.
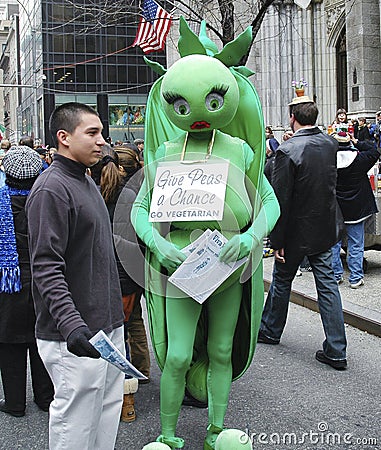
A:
(220, 89)
(171, 97)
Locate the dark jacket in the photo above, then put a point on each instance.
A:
(304, 181)
(75, 278)
(269, 163)
(353, 189)
(17, 317)
(129, 250)
(364, 134)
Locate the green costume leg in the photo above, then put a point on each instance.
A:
(223, 310)
(182, 318)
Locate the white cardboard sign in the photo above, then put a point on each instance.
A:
(187, 192)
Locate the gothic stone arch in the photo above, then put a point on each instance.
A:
(336, 31)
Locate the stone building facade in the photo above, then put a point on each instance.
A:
(333, 44)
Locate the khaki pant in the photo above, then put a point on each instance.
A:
(88, 397)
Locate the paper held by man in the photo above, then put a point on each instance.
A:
(202, 272)
(111, 354)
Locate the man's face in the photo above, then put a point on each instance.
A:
(84, 145)
(378, 118)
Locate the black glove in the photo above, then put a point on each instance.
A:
(78, 343)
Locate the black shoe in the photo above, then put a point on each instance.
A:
(4, 409)
(144, 380)
(338, 364)
(43, 406)
(189, 400)
(263, 339)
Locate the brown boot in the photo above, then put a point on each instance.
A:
(128, 408)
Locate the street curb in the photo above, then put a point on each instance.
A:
(359, 317)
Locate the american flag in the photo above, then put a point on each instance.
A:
(153, 27)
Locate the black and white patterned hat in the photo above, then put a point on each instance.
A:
(22, 162)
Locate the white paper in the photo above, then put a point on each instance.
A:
(111, 354)
(202, 272)
(189, 249)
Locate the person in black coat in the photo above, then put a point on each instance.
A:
(357, 203)
(304, 181)
(363, 133)
(17, 317)
(121, 178)
(271, 147)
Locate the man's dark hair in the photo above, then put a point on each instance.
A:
(67, 117)
(305, 113)
(27, 140)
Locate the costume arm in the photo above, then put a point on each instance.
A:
(268, 212)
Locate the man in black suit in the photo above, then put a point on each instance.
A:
(304, 180)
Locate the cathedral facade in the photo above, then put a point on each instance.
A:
(333, 44)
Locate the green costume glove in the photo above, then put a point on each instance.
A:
(239, 246)
(167, 253)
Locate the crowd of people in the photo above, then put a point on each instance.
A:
(359, 147)
(73, 264)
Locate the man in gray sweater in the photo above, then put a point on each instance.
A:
(76, 286)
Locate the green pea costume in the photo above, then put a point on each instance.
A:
(205, 109)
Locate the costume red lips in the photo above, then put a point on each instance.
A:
(200, 124)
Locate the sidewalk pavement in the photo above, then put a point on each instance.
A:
(362, 307)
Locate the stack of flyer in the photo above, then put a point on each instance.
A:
(202, 272)
(111, 354)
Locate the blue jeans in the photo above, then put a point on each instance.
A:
(355, 253)
(276, 307)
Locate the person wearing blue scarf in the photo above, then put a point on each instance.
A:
(22, 166)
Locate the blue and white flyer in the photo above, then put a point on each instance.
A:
(111, 354)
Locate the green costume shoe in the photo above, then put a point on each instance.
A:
(232, 439)
(212, 435)
(156, 446)
(173, 442)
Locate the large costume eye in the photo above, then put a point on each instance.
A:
(181, 106)
(215, 99)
